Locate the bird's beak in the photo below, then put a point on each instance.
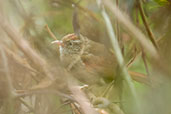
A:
(58, 42)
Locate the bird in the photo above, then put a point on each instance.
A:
(88, 60)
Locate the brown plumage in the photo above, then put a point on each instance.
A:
(88, 60)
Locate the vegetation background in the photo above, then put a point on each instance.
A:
(33, 81)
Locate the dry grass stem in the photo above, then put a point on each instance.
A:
(125, 21)
(119, 57)
(8, 77)
(38, 61)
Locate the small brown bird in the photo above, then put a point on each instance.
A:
(88, 60)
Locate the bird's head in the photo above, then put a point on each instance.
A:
(69, 44)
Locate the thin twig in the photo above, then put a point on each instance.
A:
(107, 89)
(145, 62)
(150, 33)
(146, 65)
(139, 77)
(120, 40)
(50, 32)
(132, 60)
